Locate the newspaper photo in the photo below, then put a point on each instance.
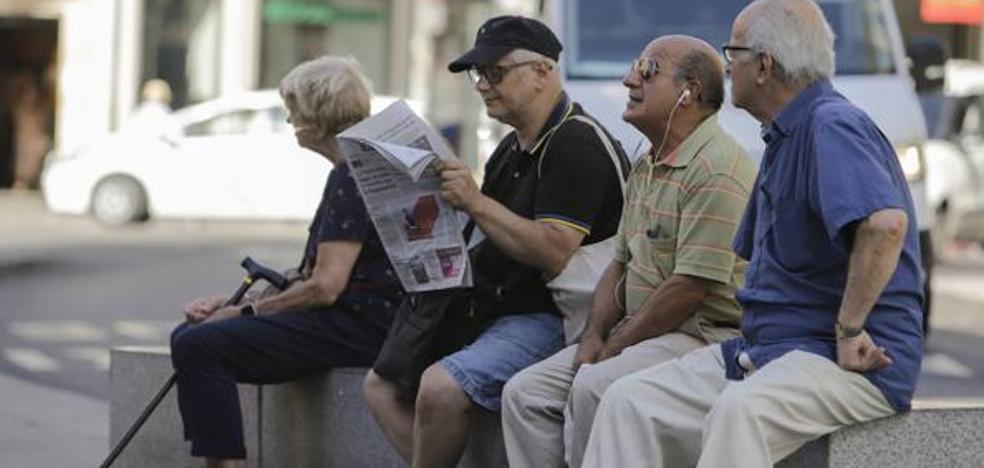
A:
(390, 155)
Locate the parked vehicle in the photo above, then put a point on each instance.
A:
(955, 155)
(230, 158)
(601, 38)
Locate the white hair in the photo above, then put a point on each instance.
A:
(796, 34)
(329, 90)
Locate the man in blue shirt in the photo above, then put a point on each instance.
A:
(831, 330)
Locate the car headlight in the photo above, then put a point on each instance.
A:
(911, 160)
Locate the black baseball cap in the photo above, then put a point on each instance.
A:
(503, 34)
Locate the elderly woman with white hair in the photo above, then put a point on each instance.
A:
(337, 312)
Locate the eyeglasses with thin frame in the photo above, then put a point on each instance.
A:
(495, 73)
(646, 67)
(729, 51)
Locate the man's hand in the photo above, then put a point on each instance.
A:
(201, 308)
(611, 349)
(588, 351)
(457, 185)
(860, 354)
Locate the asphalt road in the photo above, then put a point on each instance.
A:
(70, 289)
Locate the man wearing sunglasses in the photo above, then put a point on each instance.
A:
(831, 329)
(670, 288)
(552, 185)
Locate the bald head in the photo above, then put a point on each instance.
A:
(794, 33)
(696, 63)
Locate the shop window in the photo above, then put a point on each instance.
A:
(181, 47)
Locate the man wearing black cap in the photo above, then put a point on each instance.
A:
(552, 186)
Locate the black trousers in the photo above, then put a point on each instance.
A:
(211, 358)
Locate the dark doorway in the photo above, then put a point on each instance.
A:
(27, 98)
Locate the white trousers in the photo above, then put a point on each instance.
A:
(547, 408)
(684, 412)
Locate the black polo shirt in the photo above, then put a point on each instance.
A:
(577, 186)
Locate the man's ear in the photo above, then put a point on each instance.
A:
(696, 88)
(766, 69)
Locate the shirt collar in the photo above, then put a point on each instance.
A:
(687, 151)
(560, 112)
(796, 111)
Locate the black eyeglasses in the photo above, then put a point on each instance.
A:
(729, 51)
(494, 73)
(646, 67)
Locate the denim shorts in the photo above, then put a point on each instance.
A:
(508, 346)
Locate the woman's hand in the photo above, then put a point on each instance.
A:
(201, 308)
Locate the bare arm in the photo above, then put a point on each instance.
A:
(874, 256)
(607, 309)
(676, 299)
(329, 278)
(542, 245)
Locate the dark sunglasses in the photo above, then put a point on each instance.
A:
(494, 73)
(646, 67)
(729, 51)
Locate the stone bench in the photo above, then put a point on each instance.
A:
(323, 422)
(317, 422)
(936, 433)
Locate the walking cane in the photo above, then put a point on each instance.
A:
(254, 271)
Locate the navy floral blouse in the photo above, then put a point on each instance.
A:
(342, 215)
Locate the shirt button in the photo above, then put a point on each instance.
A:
(516, 175)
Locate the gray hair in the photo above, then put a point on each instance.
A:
(329, 90)
(796, 34)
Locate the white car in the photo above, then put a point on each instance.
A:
(955, 170)
(230, 158)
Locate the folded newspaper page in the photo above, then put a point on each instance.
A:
(390, 156)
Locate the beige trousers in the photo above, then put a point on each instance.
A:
(536, 401)
(685, 413)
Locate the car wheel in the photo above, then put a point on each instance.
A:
(119, 200)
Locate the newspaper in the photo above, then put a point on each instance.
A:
(390, 157)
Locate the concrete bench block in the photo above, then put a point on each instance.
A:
(323, 421)
(934, 433)
(135, 376)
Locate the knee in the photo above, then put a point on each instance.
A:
(190, 345)
(377, 391)
(440, 394)
(516, 391)
(589, 386)
(736, 402)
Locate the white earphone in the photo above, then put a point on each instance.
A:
(683, 95)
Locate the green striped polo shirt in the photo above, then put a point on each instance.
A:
(680, 217)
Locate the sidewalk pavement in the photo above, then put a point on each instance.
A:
(49, 428)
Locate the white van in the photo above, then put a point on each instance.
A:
(601, 37)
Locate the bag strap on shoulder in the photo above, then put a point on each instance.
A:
(606, 141)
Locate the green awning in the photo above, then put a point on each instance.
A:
(320, 13)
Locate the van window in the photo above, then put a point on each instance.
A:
(601, 38)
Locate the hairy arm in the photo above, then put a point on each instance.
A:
(875, 254)
(670, 305)
(543, 245)
(607, 309)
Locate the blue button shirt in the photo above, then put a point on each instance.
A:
(826, 167)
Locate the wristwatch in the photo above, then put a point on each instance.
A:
(844, 332)
(247, 310)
